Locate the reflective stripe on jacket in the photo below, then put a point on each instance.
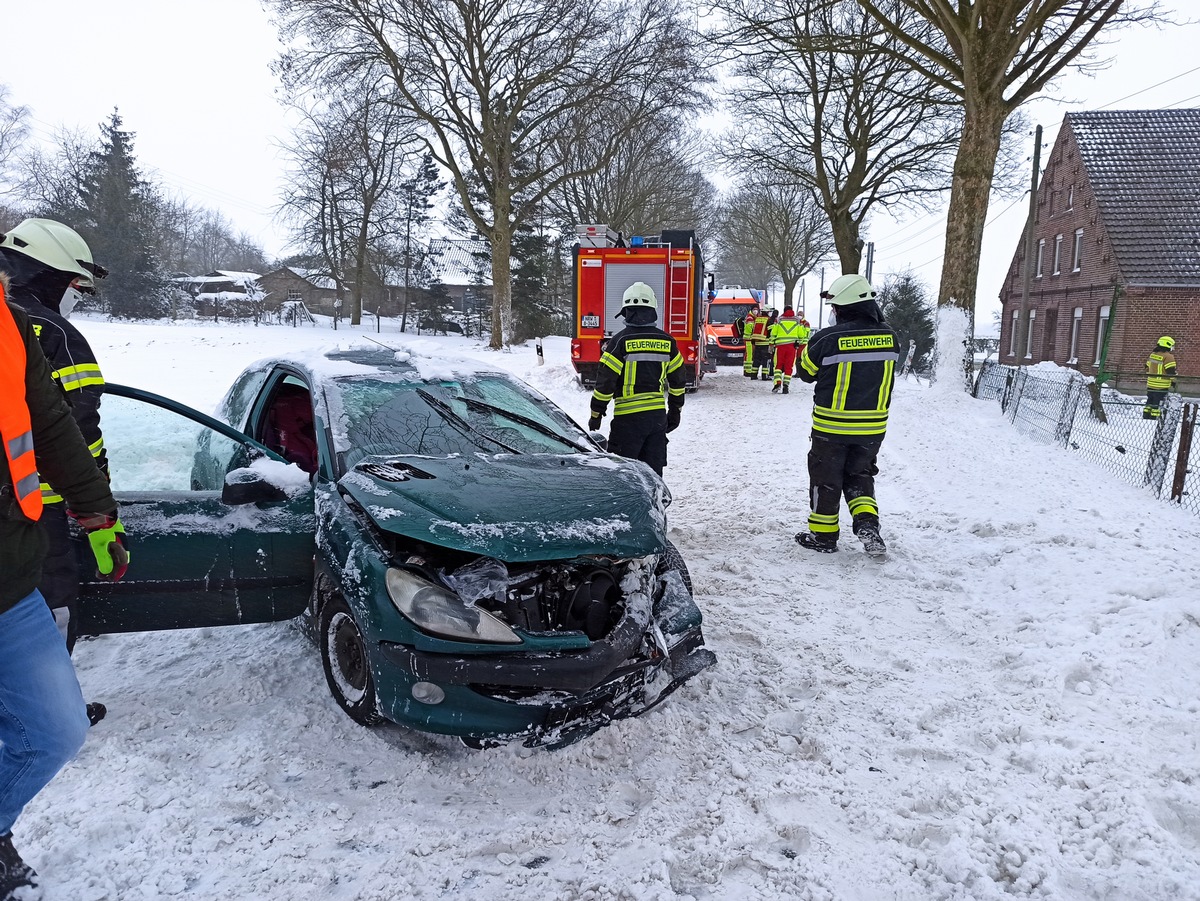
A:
(15, 428)
(787, 330)
(1160, 370)
(853, 365)
(639, 365)
(74, 368)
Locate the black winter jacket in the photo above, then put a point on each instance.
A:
(853, 363)
(63, 460)
(74, 367)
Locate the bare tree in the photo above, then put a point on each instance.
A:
(781, 224)
(995, 57)
(821, 98)
(349, 157)
(655, 180)
(501, 85)
(14, 131)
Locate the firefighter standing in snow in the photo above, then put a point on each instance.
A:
(747, 330)
(43, 720)
(760, 337)
(853, 363)
(43, 259)
(642, 372)
(1160, 377)
(785, 339)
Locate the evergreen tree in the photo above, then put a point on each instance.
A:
(416, 201)
(115, 217)
(909, 310)
(539, 303)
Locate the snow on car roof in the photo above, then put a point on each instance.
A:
(350, 360)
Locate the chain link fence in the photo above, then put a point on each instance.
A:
(1061, 407)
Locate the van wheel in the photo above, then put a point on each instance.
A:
(347, 667)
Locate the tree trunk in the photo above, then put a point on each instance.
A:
(501, 287)
(974, 167)
(846, 240)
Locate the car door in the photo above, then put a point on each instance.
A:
(204, 550)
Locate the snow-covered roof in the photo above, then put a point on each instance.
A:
(1144, 169)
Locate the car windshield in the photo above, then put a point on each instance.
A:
(727, 313)
(481, 413)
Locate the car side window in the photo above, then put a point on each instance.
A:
(288, 426)
(236, 404)
(153, 449)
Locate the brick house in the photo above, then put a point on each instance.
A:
(1116, 260)
(316, 292)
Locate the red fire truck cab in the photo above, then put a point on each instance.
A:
(607, 263)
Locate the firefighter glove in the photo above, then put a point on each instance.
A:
(673, 419)
(594, 422)
(106, 535)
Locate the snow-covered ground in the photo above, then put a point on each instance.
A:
(1005, 707)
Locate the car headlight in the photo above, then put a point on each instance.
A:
(712, 339)
(440, 611)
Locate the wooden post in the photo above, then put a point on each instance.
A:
(1185, 450)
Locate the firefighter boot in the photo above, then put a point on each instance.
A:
(785, 387)
(822, 544)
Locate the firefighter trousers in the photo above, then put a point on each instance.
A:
(785, 363)
(836, 470)
(60, 572)
(640, 436)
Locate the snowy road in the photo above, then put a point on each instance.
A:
(1005, 707)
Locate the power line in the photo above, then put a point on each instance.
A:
(1152, 87)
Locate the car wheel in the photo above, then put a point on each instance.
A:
(347, 668)
(670, 560)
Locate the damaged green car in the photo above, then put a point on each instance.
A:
(468, 559)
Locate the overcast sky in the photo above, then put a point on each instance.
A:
(193, 82)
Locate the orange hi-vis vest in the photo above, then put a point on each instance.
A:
(16, 431)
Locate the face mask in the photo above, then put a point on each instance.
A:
(67, 304)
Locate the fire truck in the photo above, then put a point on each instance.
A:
(606, 263)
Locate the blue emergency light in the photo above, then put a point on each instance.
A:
(637, 241)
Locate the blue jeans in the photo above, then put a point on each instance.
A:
(43, 718)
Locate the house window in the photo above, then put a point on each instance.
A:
(294, 294)
(1076, 324)
(1071, 197)
(1041, 256)
(1029, 337)
(1101, 332)
(1077, 253)
(1012, 335)
(1057, 253)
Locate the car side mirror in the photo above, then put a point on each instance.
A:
(247, 486)
(600, 439)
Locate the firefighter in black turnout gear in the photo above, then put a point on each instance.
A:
(49, 266)
(853, 363)
(641, 371)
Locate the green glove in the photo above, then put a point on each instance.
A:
(104, 534)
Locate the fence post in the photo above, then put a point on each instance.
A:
(1187, 427)
(1066, 416)
(1164, 441)
(1018, 388)
(1006, 395)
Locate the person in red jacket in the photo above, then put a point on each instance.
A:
(43, 719)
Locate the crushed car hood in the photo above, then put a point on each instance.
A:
(516, 508)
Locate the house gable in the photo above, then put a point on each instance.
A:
(1116, 253)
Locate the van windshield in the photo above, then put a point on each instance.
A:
(727, 313)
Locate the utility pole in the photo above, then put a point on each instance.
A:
(821, 301)
(870, 258)
(1022, 324)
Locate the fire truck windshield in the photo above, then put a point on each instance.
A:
(727, 313)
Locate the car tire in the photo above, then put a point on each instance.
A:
(347, 667)
(670, 560)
